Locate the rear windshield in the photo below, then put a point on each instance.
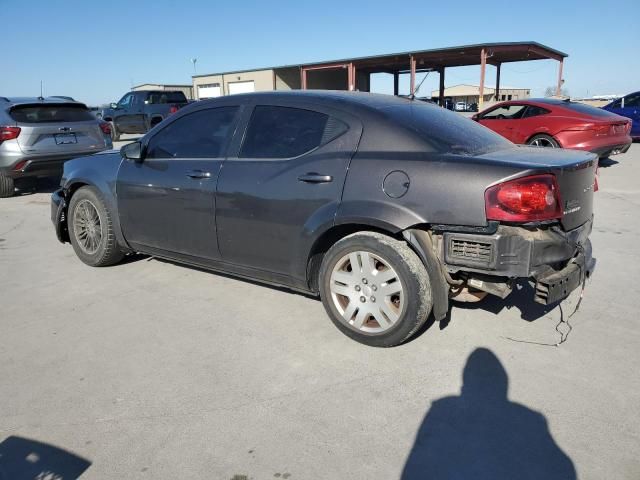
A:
(166, 97)
(586, 109)
(50, 113)
(446, 131)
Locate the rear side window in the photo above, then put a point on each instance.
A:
(284, 132)
(166, 97)
(201, 134)
(446, 131)
(534, 111)
(50, 113)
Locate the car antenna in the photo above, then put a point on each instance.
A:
(41, 97)
(413, 95)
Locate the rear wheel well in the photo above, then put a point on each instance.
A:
(327, 240)
(73, 188)
(154, 121)
(544, 135)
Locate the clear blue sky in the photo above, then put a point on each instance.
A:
(95, 50)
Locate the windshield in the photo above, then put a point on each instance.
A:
(446, 131)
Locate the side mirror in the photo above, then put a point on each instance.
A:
(474, 117)
(114, 105)
(132, 151)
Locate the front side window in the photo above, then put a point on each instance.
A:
(125, 101)
(505, 112)
(285, 132)
(201, 134)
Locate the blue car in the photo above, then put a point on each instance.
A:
(628, 106)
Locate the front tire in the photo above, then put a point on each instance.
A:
(375, 289)
(542, 140)
(91, 229)
(7, 186)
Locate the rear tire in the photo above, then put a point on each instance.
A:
(91, 231)
(543, 140)
(7, 186)
(375, 289)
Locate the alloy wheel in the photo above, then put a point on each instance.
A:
(367, 292)
(87, 226)
(542, 142)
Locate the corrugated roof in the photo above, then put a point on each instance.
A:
(502, 52)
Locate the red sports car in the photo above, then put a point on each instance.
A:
(559, 123)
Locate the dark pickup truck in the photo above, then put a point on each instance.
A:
(140, 111)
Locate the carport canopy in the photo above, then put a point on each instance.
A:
(438, 60)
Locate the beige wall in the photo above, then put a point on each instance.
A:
(209, 79)
(288, 78)
(263, 80)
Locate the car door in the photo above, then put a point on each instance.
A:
(532, 121)
(166, 201)
(503, 119)
(283, 184)
(137, 121)
(122, 113)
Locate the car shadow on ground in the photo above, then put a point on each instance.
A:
(521, 298)
(480, 434)
(607, 162)
(25, 459)
(230, 276)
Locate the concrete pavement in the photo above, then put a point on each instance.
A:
(154, 370)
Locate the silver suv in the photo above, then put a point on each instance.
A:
(37, 135)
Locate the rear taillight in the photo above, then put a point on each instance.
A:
(9, 133)
(525, 199)
(105, 127)
(173, 109)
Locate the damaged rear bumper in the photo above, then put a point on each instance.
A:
(59, 215)
(554, 285)
(557, 262)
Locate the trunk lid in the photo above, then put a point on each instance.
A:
(575, 172)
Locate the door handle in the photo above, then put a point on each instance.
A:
(198, 174)
(313, 177)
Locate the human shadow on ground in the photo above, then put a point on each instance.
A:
(480, 434)
(24, 459)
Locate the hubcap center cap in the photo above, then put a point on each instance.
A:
(366, 290)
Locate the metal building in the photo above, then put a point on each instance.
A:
(355, 73)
